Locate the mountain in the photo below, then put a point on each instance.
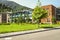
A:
(14, 5)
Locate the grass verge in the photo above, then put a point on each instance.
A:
(24, 27)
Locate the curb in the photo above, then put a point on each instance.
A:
(25, 32)
(20, 33)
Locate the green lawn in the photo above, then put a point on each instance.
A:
(23, 27)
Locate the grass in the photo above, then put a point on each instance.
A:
(49, 25)
(23, 27)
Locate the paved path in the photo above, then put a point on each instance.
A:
(46, 35)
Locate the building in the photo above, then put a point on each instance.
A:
(20, 14)
(4, 17)
(58, 14)
(9, 17)
(52, 12)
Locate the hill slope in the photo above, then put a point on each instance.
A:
(13, 5)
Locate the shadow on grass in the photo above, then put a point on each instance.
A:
(47, 29)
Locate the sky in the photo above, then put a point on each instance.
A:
(33, 3)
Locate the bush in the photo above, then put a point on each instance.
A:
(4, 23)
(47, 27)
(58, 22)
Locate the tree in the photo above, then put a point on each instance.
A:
(53, 19)
(38, 14)
(4, 8)
(27, 18)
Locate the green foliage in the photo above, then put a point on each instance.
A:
(23, 27)
(4, 8)
(58, 23)
(27, 18)
(4, 23)
(39, 13)
(53, 19)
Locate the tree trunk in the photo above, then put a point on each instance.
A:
(38, 24)
(39, 21)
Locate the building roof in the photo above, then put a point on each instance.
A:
(48, 5)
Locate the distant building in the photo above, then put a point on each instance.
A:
(57, 14)
(22, 14)
(6, 17)
(52, 12)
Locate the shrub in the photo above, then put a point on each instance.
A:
(47, 27)
(4, 23)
